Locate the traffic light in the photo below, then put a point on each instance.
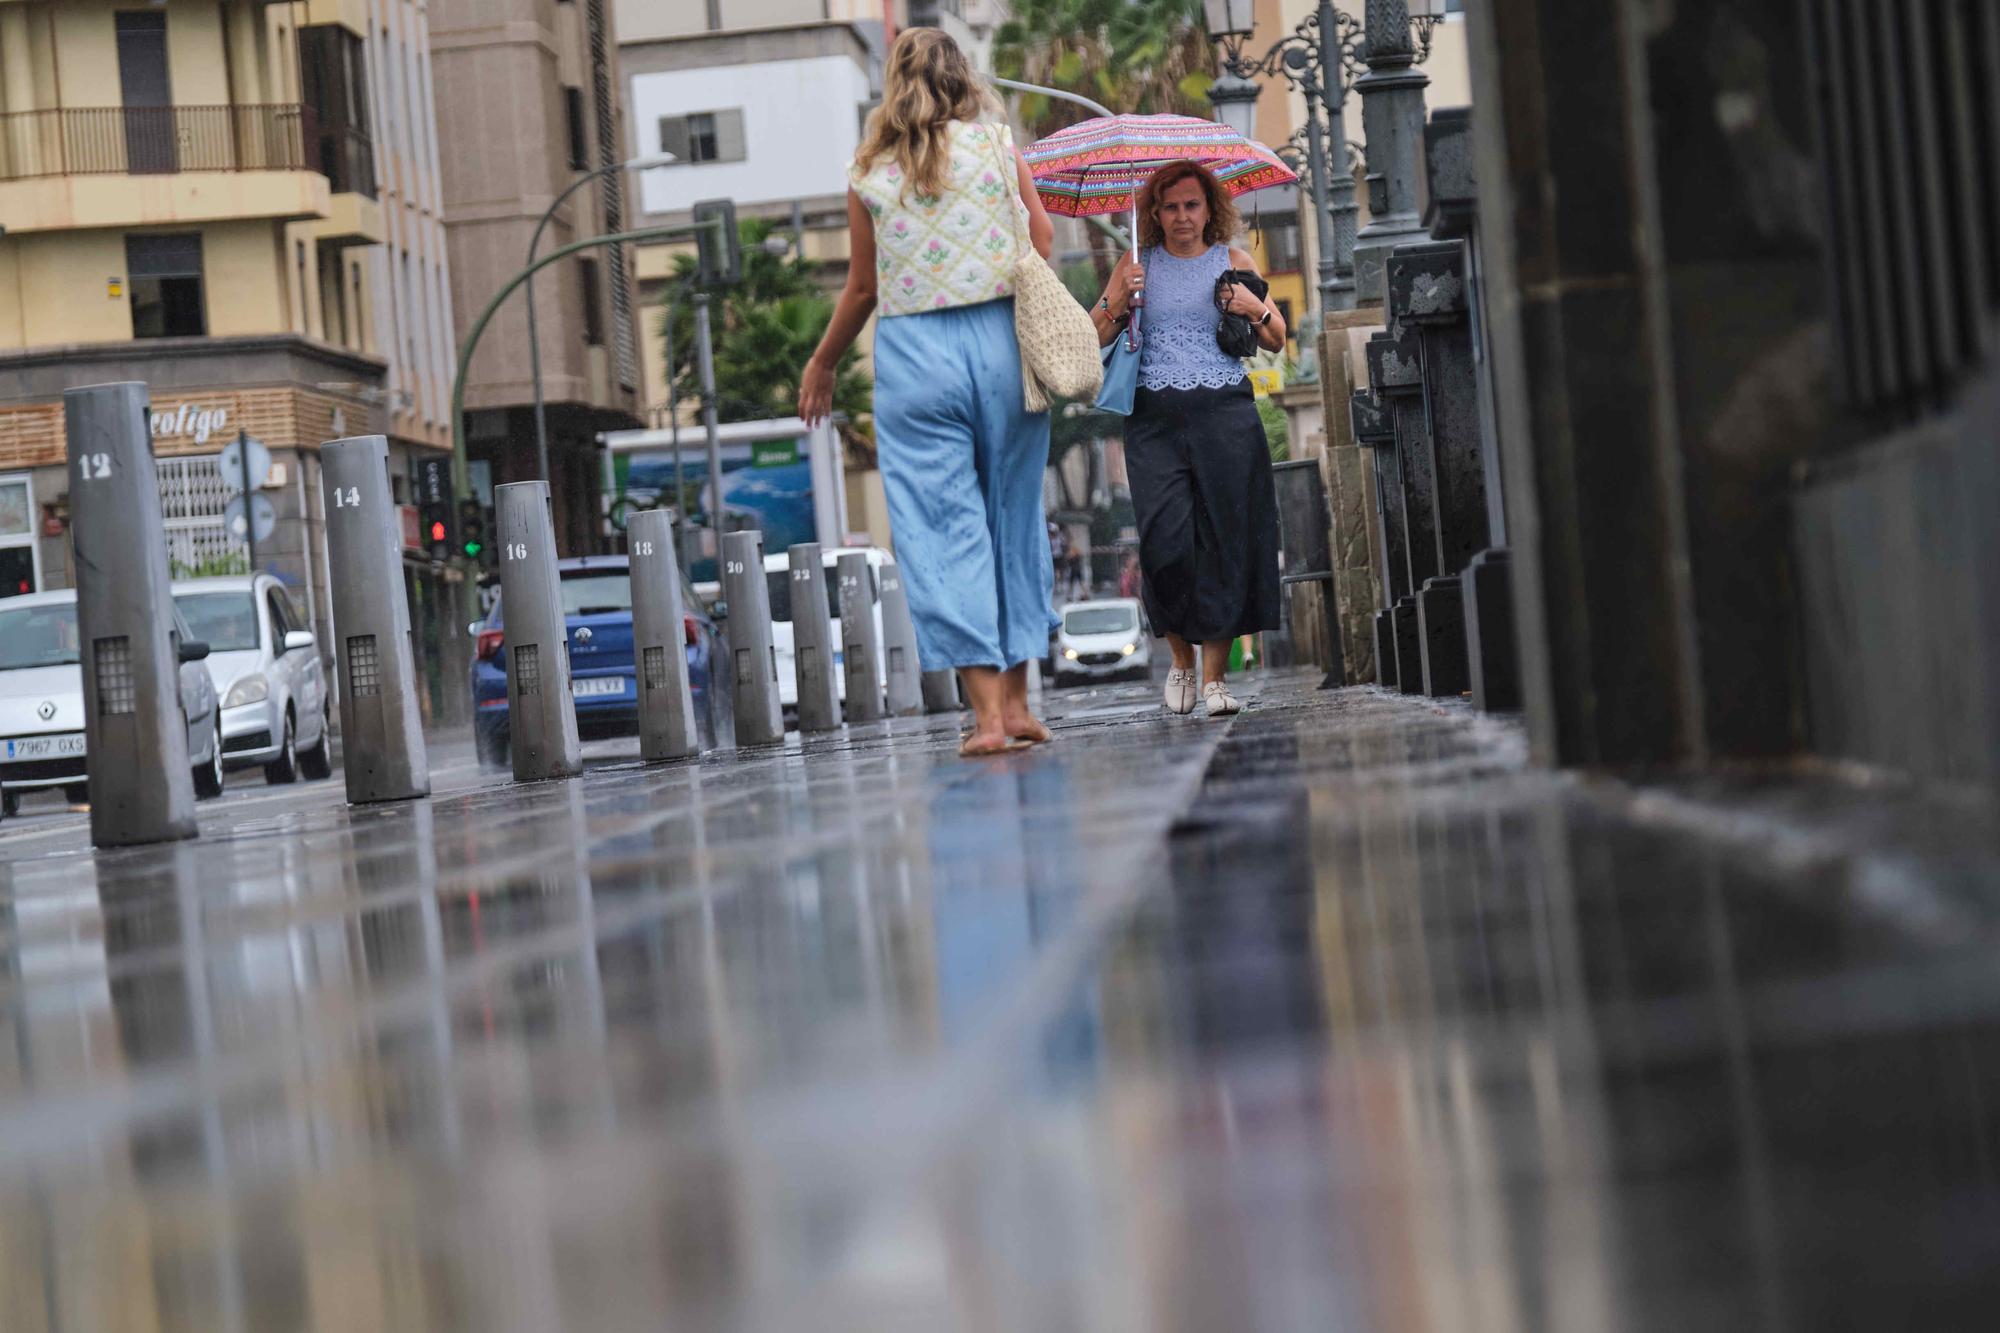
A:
(718, 247)
(472, 529)
(434, 505)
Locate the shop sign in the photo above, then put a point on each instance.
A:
(189, 421)
(413, 527)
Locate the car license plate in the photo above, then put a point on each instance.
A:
(594, 686)
(46, 747)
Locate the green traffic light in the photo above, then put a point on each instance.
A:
(472, 550)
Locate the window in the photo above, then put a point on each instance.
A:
(1285, 313)
(1282, 247)
(703, 136)
(17, 538)
(579, 147)
(593, 306)
(225, 621)
(305, 302)
(165, 275)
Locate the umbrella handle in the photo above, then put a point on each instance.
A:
(1137, 304)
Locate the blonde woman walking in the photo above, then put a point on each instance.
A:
(931, 209)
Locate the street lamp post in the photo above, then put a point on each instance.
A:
(1318, 59)
(1392, 113)
(534, 335)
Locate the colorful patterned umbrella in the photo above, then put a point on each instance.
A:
(1098, 166)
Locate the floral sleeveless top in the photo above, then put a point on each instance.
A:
(956, 249)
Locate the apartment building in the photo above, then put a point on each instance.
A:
(237, 203)
(530, 103)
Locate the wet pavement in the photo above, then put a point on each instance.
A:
(1335, 1016)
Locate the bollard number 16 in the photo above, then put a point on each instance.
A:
(515, 550)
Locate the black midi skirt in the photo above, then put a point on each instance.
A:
(1200, 471)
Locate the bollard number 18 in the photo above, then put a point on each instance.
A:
(642, 548)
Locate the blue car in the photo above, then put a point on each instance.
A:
(597, 608)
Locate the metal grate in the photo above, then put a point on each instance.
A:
(1908, 118)
(193, 495)
(364, 666)
(655, 666)
(111, 659)
(527, 661)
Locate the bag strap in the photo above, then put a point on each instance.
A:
(1010, 172)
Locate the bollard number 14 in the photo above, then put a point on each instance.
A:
(350, 498)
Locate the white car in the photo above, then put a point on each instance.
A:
(1103, 640)
(266, 671)
(778, 582)
(41, 701)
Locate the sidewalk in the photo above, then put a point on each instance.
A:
(1332, 1016)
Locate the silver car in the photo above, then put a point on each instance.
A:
(41, 701)
(266, 669)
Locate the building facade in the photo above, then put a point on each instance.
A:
(531, 102)
(236, 203)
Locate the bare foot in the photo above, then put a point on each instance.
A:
(1026, 726)
(980, 743)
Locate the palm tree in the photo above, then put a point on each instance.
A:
(1142, 56)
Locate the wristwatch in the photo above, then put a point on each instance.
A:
(1264, 318)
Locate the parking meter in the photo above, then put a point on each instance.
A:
(760, 717)
(667, 727)
(814, 652)
(861, 638)
(135, 730)
(541, 710)
(381, 727)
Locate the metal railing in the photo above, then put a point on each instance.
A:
(117, 141)
(346, 154)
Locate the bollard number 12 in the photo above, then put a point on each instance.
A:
(93, 467)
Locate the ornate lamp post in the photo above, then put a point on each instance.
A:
(1318, 58)
(1392, 113)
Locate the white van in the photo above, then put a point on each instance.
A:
(1103, 640)
(778, 587)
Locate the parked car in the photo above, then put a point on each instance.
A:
(42, 742)
(1103, 640)
(266, 670)
(597, 611)
(778, 590)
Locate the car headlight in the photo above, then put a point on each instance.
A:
(1070, 654)
(1129, 649)
(249, 690)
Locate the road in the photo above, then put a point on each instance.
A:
(1336, 1015)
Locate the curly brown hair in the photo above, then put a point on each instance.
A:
(1223, 219)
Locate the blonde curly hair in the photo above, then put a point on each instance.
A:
(929, 85)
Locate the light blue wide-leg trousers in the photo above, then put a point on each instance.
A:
(962, 464)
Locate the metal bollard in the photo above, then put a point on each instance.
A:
(760, 718)
(541, 711)
(813, 648)
(941, 691)
(899, 645)
(667, 728)
(381, 727)
(861, 639)
(135, 732)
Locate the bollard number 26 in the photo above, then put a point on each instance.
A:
(515, 550)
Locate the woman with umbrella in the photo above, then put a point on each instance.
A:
(1195, 452)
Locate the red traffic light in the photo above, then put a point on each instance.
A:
(437, 529)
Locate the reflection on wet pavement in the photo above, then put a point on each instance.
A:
(1337, 1016)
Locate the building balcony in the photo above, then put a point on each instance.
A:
(79, 167)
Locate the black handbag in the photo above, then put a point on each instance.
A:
(1235, 334)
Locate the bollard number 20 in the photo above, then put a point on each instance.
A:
(734, 566)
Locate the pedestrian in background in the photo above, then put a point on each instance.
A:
(1195, 452)
(934, 229)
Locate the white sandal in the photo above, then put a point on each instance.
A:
(1180, 692)
(1221, 703)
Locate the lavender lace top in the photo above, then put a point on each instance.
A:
(1177, 326)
